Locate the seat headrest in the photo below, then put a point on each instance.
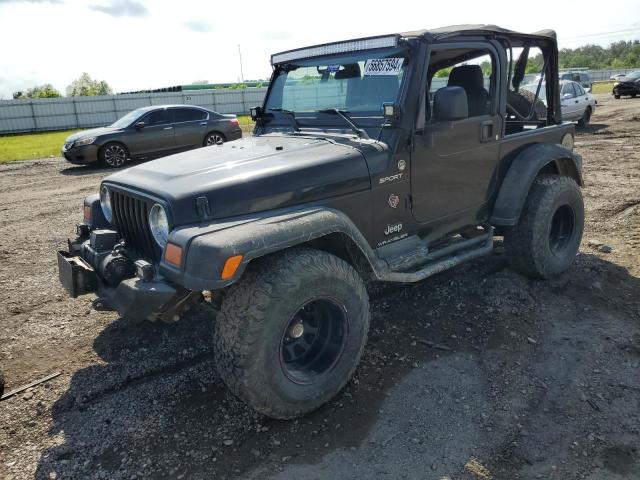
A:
(468, 77)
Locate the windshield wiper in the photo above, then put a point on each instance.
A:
(357, 130)
(291, 114)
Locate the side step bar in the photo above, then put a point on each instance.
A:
(443, 259)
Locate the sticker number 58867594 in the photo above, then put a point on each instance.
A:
(383, 66)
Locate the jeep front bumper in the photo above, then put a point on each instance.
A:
(133, 298)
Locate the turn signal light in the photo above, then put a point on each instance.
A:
(235, 121)
(230, 267)
(173, 254)
(87, 213)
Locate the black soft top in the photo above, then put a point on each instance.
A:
(478, 29)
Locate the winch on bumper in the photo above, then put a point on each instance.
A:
(96, 262)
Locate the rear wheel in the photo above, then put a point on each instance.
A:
(586, 118)
(213, 138)
(113, 155)
(291, 332)
(547, 237)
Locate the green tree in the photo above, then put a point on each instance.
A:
(85, 86)
(39, 91)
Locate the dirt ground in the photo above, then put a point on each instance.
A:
(538, 379)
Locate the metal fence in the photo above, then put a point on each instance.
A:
(84, 112)
(38, 115)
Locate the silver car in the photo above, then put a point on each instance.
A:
(577, 104)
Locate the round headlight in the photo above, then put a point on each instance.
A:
(567, 141)
(159, 224)
(105, 203)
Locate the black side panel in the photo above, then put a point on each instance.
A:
(522, 172)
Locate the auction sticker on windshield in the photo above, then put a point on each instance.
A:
(383, 66)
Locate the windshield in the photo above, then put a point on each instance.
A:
(128, 119)
(356, 82)
(633, 75)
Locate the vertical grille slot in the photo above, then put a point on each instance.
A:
(131, 219)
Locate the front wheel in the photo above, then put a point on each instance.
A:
(213, 138)
(547, 236)
(617, 97)
(113, 155)
(291, 332)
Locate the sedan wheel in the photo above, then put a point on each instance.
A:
(113, 155)
(213, 139)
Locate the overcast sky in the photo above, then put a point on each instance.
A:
(139, 44)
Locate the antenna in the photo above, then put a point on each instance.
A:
(240, 56)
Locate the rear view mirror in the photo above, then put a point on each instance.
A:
(567, 96)
(449, 104)
(140, 125)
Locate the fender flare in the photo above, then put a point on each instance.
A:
(522, 172)
(207, 248)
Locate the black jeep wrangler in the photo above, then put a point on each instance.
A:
(388, 158)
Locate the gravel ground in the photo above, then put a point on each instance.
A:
(533, 380)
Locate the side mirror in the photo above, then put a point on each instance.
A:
(449, 104)
(256, 113)
(567, 96)
(140, 125)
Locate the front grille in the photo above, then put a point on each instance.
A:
(131, 216)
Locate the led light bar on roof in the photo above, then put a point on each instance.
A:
(334, 48)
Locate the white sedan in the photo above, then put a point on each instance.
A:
(577, 105)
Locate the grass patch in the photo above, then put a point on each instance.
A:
(246, 123)
(602, 87)
(28, 146)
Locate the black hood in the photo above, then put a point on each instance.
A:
(249, 175)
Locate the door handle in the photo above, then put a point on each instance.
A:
(203, 123)
(577, 101)
(486, 131)
(168, 128)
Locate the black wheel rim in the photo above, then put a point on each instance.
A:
(562, 228)
(314, 340)
(115, 156)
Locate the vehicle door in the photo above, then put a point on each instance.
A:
(583, 100)
(154, 135)
(570, 103)
(190, 126)
(454, 162)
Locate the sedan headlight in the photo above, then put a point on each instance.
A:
(84, 141)
(159, 224)
(615, 84)
(105, 203)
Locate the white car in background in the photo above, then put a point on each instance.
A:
(577, 104)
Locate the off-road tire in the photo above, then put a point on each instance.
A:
(255, 315)
(116, 160)
(522, 100)
(530, 243)
(586, 117)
